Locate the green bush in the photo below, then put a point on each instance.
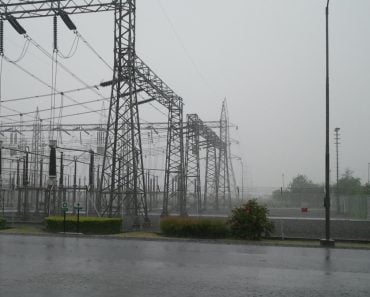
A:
(88, 225)
(250, 221)
(196, 228)
(2, 223)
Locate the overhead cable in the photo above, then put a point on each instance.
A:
(43, 82)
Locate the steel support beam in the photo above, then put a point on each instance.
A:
(174, 170)
(47, 8)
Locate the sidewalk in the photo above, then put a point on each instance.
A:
(155, 236)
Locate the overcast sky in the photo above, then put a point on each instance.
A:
(267, 57)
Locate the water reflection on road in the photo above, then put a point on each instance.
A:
(50, 266)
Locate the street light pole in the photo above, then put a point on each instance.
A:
(327, 241)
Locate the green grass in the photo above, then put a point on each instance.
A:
(23, 230)
(139, 234)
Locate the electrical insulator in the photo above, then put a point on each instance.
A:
(61, 170)
(52, 162)
(25, 169)
(55, 33)
(91, 169)
(1, 38)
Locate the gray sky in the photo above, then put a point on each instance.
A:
(266, 57)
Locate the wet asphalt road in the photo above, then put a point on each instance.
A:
(50, 266)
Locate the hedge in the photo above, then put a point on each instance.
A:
(2, 223)
(196, 228)
(88, 225)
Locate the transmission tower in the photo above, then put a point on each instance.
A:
(122, 163)
(192, 161)
(200, 135)
(123, 159)
(233, 185)
(224, 159)
(158, 90)
(211, 180)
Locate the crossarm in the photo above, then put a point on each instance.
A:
(34, 9)
(204, 130)
(157, 89)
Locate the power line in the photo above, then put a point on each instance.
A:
(73, 48)
(42, 82)
(46, 53)
(48, 109)
(64, 116)
(24, 50)
(187, 53)
(49, 94)
(94, 51)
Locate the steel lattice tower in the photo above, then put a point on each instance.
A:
(36, 147)
(174, 168)
(123, 176)
(192, 160)
(211, 180)
(233, 185)
(122, 172)
(223, 167)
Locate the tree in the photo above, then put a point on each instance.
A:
(348, 184)
(301, 184)
(301, 191)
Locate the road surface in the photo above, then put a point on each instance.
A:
(74, 267)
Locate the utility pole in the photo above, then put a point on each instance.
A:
(337, 159)
(25, 185)
(61, 186)
(74, 184)
(52, 175)
(91, 178)
(328, 242)
(241, 160)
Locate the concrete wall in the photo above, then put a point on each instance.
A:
(315, 228)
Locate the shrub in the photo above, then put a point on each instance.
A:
(2, 223)
(196, 228)
(88, 225)
(250, 221)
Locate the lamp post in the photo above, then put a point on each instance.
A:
(327, 241)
